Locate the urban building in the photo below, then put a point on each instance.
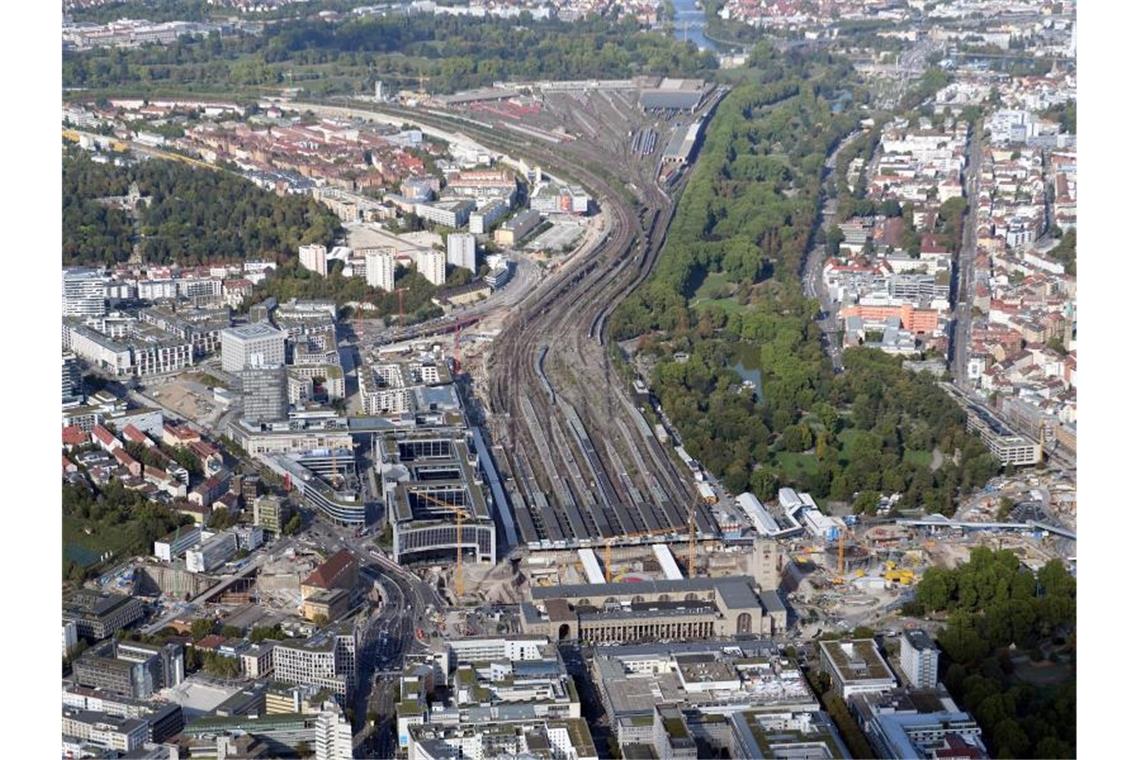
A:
(713, 677)
(314, 258)
(326, 660)
(333, 488)
(431, 480)
(129, 669)
(70, 637)
(326, 605)
(805, 736)
(333, 734)
(856, 667)
(380, 270)
(257, 659)
(174, 545)
(918, 655)
(654, 610)
(212, 553)
(87, 727)
(337, 572)
(163, 719)
(432, 264)
(264, 394)
(461, 250)
(917, 723)
(486, 216)
(518, 227)
(452, 213)
(551, 739)
(271, 513)
(98, 615)
(83, 293)
(259, 344)
(72, 377)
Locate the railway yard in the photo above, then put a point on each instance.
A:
(583, 467)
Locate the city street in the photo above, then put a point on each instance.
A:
(964, 297)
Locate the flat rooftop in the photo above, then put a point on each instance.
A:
(856, 660)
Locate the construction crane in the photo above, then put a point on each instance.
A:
(400, 297)
(455, 350)
(460, 514)
(609, 559)
(841, 564)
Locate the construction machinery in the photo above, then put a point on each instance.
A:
(460, 513)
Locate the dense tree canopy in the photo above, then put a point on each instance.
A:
(194, 215)
(348, 55)
(996, 608)
(747, 218)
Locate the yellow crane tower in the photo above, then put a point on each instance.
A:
(841, 564)
(460, 514)
(609, 558)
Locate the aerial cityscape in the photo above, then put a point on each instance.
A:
(569, 379)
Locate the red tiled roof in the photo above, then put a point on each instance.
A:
(213, 641)
(133, 434)
(73, 435)
(325, 575)
(103, 434)
(124, 458)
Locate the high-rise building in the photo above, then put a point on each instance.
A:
(72, 377)
(254, 345)
(461, 250)
(264, 394)
(432, 264)
(314, 258)
(271, 513)
(333, 734)
(918, 655)
(380, 270)
(83, 292)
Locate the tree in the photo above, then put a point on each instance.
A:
(866, 503)
(764, 483)
(293, 525)
(834, 239)
(201, 628)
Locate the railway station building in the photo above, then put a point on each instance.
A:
(689, 608)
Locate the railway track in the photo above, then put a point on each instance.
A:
(578, 449)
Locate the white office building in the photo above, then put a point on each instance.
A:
(380, 270)
(461, 250)
(315, 258)
(333, 739)
(432, 265)
(83, 293)
(255, 345)
(918, 655)
(211, 553)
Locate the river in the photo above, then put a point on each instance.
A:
(689, 24)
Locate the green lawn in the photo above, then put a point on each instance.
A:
(729, 305)
(794, 465)
(84, 549)
(713, 282)
(920, 458)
